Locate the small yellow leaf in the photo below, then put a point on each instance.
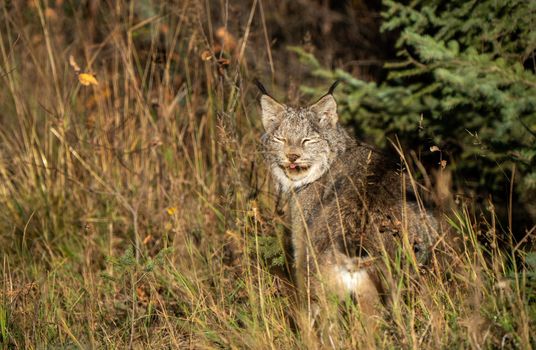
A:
(87, 79)
(171, 210)
(443, 164)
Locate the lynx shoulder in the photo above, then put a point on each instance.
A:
(348, 202)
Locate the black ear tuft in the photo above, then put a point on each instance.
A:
(261, 87)
(333, 86)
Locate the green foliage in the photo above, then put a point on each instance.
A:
(465, 82)
(3, 324)
(530, 261)
(270, 249)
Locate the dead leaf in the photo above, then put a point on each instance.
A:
(228, 40)
(443, 164)
(206, 55)
(147, 239)
(164, 29)
(36, 39)
(434, 149)
(142, 295)
(73, 64)
(87, 79)
(51, 14)
(224, 62)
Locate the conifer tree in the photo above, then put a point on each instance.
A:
(464, 81)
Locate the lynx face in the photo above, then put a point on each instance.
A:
(300, 143)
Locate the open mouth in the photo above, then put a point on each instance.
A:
(295, 169)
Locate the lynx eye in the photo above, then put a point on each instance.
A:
(279, 139)
(308, 140)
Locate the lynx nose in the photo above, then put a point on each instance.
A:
(292, 157)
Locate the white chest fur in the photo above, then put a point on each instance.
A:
(352, 280)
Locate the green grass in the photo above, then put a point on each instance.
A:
(138, 213)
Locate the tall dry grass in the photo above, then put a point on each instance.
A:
(137, 212)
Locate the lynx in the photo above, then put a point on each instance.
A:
(348, 203)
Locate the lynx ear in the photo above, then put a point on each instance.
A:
(272, 112)
(326, 110)
(271, 109)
